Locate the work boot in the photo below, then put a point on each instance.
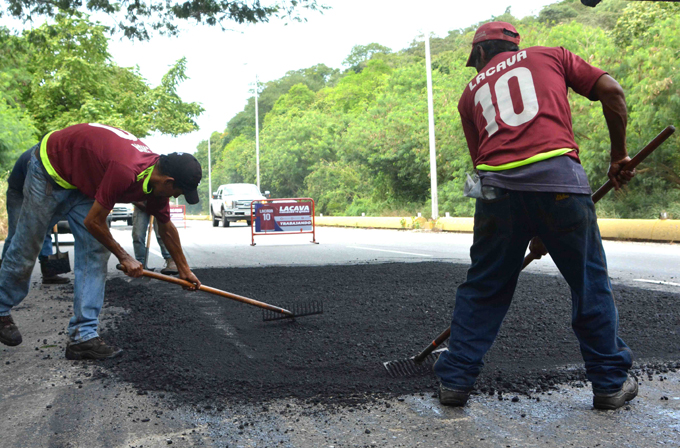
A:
(615, 400)
(9, 332)
(170, 267)
(94, 348)
(452, 397)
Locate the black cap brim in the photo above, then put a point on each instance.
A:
(191, 196)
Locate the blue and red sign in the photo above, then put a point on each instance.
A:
(284, 216)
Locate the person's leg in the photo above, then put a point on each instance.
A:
(13, 202)
(572, 237)
(501, 236)
(40, 204)
(47, 266)
(164, 250)
(46, 250)
(140, 225)
(90, 267)
(170, 267)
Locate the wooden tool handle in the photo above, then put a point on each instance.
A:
(148, 243)
(635, 161)
(219, 292)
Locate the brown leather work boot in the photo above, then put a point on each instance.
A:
(9, 332)
(617, 399)
(94, 348)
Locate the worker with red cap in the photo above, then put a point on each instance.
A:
(531, 189)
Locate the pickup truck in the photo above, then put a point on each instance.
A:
(121, 212)
(231, 203)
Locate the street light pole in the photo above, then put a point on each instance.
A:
(257, 139)
(209, 174)
(430, 114)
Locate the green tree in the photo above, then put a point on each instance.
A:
(295, 140)
(334, 186)
(137, 19)
(73, 80)
(17, 134)
(361, 54)
(315, 78)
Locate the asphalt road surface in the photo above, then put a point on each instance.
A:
(47, 401)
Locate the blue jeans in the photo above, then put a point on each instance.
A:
(43, 206)
(15, 199)
(140, 225)
(503, 227)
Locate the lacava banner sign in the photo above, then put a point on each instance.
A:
(177, 212)
(283, 217)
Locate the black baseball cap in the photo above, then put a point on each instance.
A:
(187, 172)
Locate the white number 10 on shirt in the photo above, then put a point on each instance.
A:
(505, 108)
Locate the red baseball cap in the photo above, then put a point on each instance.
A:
(494, 31)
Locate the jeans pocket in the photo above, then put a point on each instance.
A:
(568, 213)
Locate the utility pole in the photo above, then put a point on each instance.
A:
(430, 114)
(210, 192)
(257, 139)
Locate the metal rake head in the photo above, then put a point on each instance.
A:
(410, 367)
(298, 309)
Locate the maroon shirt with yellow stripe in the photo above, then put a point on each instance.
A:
(105, 163)
(517, 107)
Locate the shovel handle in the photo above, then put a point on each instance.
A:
(604, 189)
(148, 242)
(208, 289)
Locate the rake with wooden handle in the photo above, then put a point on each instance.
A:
(271, 312)
(417, 364)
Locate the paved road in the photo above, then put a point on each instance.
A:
(47, 401)
(208, 246)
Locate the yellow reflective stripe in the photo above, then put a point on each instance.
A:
(147, 172)
(530, 160)
(50, 169)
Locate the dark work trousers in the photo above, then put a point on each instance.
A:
(503, 227)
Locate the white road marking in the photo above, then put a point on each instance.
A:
(391, 251)
(658, 282)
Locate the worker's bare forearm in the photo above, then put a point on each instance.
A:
(103, 235)
(613, 100)
(170, 237)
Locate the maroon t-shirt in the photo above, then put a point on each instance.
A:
(105, 163)
(517, 106)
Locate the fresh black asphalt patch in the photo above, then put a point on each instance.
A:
(204, 348)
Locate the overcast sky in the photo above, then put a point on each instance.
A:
(222, 64)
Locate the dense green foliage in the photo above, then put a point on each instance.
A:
(138, 19)
(62, 74)
(358, 141)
